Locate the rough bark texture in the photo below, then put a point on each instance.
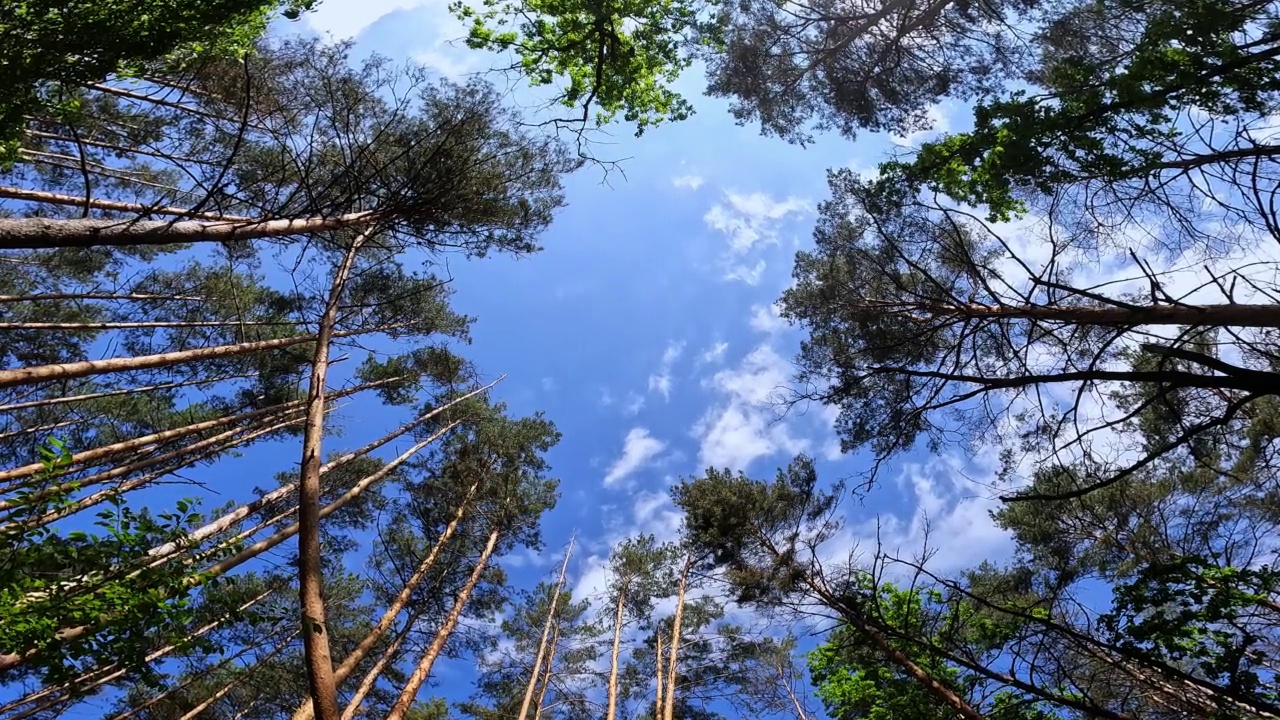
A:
(423, 668)
(362, 650)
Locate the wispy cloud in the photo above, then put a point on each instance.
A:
(713, 354)
(661, 381)
(688, 182)
(634, 404)
(751, 219)
(767, 319)
(638, 449)
(741, 426)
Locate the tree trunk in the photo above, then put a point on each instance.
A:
(48, 297)
(64, 399)
(44, 233)
(48, 198)
(85, 368)
(230, 519)
(611, 712)
(14, 660)
(101, 676)
(659, 695)
(546, 674)
(24, 326)
(349, 663)
(202, 450)
(375, 672)
(138, 443)
(1222, 315)
(423, 669)
(315, 634)
(669, 705)
(244, 674)
(546, 634)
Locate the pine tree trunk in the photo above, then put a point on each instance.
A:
(15, 660)
(86, 368)
(101, 676)
(371, 678)
(349, 663)
(423, 669)
(48, 198)
(315, 633)
(546, 635)
(611, 712)
(661, 672)
(225, 522)
(546, 674)
(45, 233)
(189, 456)
(669, 704)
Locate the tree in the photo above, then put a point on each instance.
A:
(353, 185)
(639, 571)
(52, 48)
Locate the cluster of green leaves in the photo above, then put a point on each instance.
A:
(51, 580)
(1107, 117)
(49, 45)
(1191, 611)
(616, 57)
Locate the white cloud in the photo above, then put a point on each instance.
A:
(767, 319)
(689, 182)
(749, 275)
(343, 20)
(741, 426)
(606, 397)
(447, 60)
(715, 353)
(750, 220)
(661, 382)
(634, 404)
(549, 384)
(950, 521)
(638, 449)
(939, 122)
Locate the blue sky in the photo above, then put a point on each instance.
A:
(645, 328)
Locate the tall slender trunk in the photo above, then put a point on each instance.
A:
(47, 297)
(1100, 313)
(245, 673)
(674, 649)
(188, 456)
(86, 368)
(315, 634)
(611, 713)
(230, 519)
(546, 673)
(423, 668)
(101, 676)
(133, 445)
(349, 663)
(546, 635)
(41, 233)
(48, 198)
(371, 678)
(660, 672)
(5, 326)
(15, 660)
